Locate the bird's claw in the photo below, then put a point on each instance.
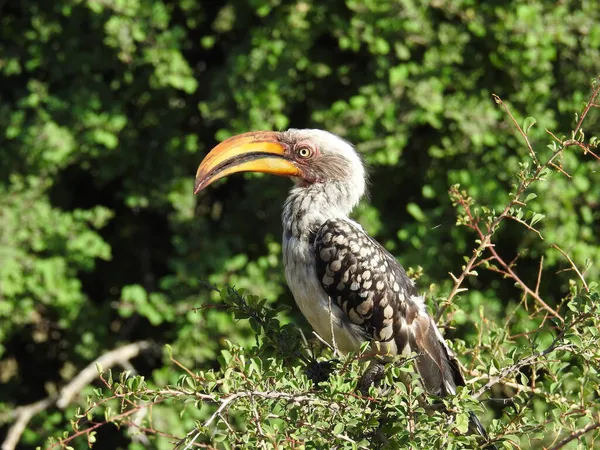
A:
(319, 371)
(372, 376)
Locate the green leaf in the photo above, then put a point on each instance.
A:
(338, 428)
(530, 196)
(462, 422)
(528, 123)
(536, 218)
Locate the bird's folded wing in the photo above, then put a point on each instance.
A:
(373, 290)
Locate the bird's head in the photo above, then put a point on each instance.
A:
(309, 156)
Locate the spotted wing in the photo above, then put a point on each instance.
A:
(373, 290)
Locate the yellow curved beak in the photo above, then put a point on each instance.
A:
(257, 151)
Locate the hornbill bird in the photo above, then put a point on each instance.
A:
(349, 287)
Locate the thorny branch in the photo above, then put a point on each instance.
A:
(527, 361)
(485, 238)
(573, 266)
(576, 435)
(506, 268)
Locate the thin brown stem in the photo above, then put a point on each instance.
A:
(499, 101)
(524, 286)
(539, 277)
(590, 104)
(576, 435)
(573, 266)
(561, 170)
(586, 149)
(526, 225)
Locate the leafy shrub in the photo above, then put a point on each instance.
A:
(108, 106)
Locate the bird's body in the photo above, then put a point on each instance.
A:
(349, 288)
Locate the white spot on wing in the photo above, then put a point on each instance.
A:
(385, 333)
(339, 239)
(325, 254)
(364, 307)
(388, 312)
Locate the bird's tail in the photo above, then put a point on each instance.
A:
(437, 364)
(475, 426)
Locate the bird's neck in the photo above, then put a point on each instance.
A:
(308, 207)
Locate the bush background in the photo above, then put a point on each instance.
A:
(108, 106)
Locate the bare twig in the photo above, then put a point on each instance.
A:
(331, 329)
(526, 225)
(224, 403)
(539, 277)
(553, 135)
(573, 266)
(524, 286)
(590, 104)
(456, 288)
(323, 341)
(256, 417)
(561, 170)
(23, 414)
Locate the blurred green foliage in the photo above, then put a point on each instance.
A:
(108, 106)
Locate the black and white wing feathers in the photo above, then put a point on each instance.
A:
(373, 290)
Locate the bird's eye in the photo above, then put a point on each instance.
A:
(304, 152)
